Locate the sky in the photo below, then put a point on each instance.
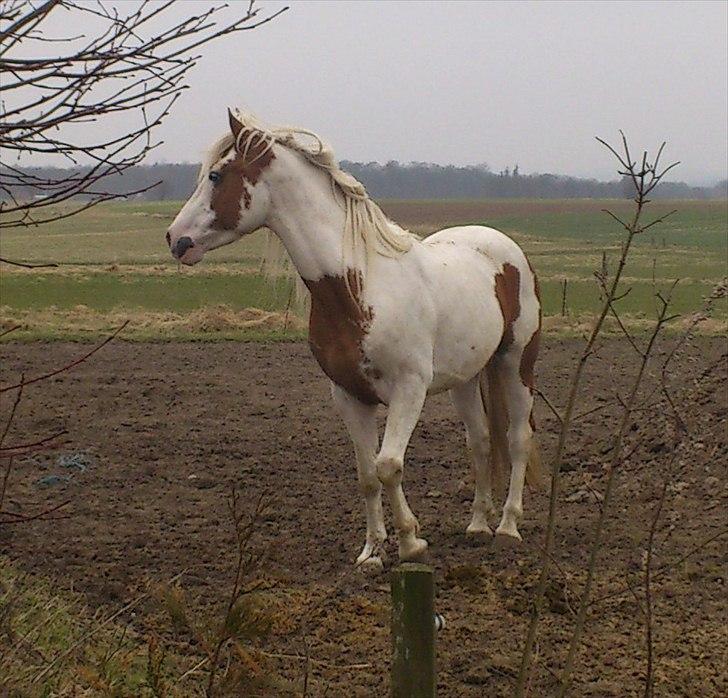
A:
(468, 83)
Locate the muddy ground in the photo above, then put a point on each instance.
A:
(166, 428)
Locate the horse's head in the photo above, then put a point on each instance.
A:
(231, 199)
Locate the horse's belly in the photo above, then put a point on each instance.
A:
(462, 349)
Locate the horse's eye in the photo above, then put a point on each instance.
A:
(214, 177)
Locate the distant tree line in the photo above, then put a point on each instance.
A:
(420, 180)
(416, 180)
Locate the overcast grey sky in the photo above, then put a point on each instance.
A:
(471, 82)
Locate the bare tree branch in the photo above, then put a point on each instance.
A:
(130, 65)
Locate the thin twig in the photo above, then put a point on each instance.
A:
(39, 445)
(194, 669)
(9, 330)
(549, 404)
(26, 265)
(243, 535)
(122, 67)
(67, 366)
(13, 409)
(41, 515)
(661, 571)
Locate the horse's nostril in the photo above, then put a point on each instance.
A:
(183, 244)
(169, 239)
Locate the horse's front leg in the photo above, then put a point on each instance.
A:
(361, 423)
(405, 406)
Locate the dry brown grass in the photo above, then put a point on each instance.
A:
(223, 322)
(215, 322)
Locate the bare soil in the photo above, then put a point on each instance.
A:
(166, 428)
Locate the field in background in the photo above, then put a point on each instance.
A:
(115, 266)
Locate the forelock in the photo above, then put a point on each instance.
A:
(219, 150)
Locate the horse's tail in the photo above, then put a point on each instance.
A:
(535, 476)
(493, 395)
(496, 412)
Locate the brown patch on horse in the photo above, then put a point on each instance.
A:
(337, 326)
(227, 195)
(528, 358)
(507, 290)
(528, 361)
(536, 288)
(235, 176)
(530, 351)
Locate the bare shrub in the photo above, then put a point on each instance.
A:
(644, 177)
(231, 662)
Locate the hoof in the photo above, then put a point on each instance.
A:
(507, 539)
(372, 557)
(413, 551)
(479, 530)
(372, 565)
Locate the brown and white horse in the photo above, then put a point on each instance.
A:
(393, 318)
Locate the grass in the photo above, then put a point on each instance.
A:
(699, 225)
(114, 233)
(696, 224)
(51, 645)
(115, 264)
(104, 291)
(40, 624)
(213, 323)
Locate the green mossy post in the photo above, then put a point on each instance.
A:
(413, 631)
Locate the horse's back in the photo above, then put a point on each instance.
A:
(488, 241)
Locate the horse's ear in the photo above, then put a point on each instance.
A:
(235, 126)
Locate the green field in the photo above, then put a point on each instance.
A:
(115, 265)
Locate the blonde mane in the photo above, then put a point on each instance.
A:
(367, 231)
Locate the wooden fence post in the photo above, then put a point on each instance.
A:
(413, 631)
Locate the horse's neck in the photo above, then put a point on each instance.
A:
(306, 217)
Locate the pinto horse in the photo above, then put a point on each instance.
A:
(393, 318)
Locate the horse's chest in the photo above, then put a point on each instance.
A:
(337, 327)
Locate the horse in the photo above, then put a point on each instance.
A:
(393, 318)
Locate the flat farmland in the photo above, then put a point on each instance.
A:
(158, 429)
(114, 265)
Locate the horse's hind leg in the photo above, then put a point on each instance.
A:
(519, 399)
(361, 423)
(469, 405)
